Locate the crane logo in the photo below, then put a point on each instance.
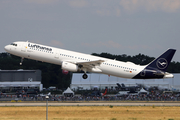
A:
(161, 63)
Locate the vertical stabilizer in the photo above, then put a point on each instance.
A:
(163, 61)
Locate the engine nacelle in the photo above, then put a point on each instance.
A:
(69, 67)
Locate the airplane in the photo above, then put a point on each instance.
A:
(128, 88)
(75, 61)
(131, 89)
(44, 95)
(103, 94)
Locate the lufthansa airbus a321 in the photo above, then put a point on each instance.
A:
(75, 61)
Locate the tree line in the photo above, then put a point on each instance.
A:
(52, 74)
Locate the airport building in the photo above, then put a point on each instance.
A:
(20, 79)
(102, 81)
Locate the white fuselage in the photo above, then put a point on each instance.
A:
(58, 56)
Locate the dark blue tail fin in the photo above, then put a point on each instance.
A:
(162, 62)
(123, 85)
(119, 86)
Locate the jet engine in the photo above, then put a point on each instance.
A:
(69, 67)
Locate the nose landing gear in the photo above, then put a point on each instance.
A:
(21, 61)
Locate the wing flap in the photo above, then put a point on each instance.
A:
(90, 64)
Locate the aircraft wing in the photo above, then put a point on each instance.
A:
(90, 64)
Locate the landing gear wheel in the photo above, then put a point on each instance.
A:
(21, 61)
(85, 76)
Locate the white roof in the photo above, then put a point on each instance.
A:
(142, 91)
(19, 84)
(68, 90)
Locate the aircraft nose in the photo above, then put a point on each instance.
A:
(6, 48)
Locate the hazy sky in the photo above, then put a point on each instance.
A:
(118, 27)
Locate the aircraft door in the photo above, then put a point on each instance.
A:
(24, 47)
(25, 52)
(56, 54)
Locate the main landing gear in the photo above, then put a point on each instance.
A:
(85, 76)
(21, 61)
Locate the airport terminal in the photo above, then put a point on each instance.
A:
(102, 81)
(12, 80)
(23, 79)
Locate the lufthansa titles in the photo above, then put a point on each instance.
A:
(39, 47)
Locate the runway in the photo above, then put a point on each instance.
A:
(91, 104)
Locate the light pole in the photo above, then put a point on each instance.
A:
(47, 97)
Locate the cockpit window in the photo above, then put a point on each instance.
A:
(13, 44)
